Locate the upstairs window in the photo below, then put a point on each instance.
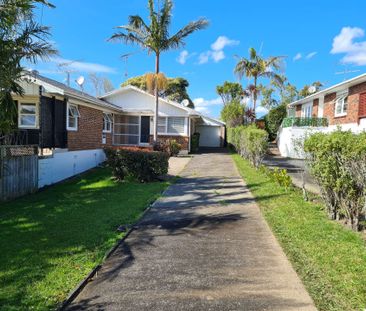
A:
(27, 115)
(307, 110)
(72, 117)
(341, 106)
(107, 123)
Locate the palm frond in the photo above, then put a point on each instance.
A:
(136, 22)
(176, 40)
(128, 38)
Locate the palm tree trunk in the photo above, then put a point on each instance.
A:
(254, 98)
(156, 113)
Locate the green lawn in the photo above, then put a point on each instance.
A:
(330, 259)
(51, 240)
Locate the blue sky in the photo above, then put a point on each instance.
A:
(318, 38)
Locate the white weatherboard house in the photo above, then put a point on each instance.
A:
(134, 125)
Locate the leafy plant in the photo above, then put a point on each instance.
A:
(337, 162)
(174, 147)
(250, 142)
(142, 165)
(233, 113)
(195, 142)
(274, 119)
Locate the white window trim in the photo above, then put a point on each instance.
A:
(174, 134)
(24, 102)
(304, 110)
(73, 129)
(110, 122)
(337, 101)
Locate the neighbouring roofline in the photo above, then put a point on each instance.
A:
(335, 88)
(134, 88)
(54, 87)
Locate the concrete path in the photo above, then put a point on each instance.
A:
(204, 246)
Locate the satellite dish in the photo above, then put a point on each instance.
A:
(80, 81)
(312, 89)
(185, 102)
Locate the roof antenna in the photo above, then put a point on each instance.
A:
(345, 72)
(125, 59)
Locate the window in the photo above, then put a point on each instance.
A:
(307, 110)
(27, 115)
(126, 130)
(341, 106)
(107, 122)
(72, 117)
(171, 125)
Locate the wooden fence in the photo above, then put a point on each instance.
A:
(18, 171)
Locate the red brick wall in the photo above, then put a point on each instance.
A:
(315, 108)
(352, 109)
(89, 133)
(182, 140)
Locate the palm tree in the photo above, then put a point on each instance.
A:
(21, 38)
(256, 68)
(155, 38)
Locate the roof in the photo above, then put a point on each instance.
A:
(335, 88)
(134, 88)
(55, 87)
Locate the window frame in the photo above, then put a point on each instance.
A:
(341, 100)
(117, 133)
(167, 126)
(307, 110)
(68, 127)
(36, 105)
(107, 120)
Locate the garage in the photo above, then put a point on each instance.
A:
(210, 136)
(211, 132)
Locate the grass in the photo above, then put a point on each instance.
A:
(51, 240)
(330, 259)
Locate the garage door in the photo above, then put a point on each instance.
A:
(209, 135)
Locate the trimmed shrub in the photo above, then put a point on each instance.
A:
(142, 165)
(274, 119)
(195, 142)
(250, 142)
(338, 163)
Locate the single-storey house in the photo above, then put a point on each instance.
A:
(74, 127)
(342, 105)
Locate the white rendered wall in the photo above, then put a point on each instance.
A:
(63, 165)
(287, 137)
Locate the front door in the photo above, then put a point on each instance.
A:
(145, 129)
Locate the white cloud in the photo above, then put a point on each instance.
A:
(297, 57)
(204, 57)
(203, 105)
(183, 56)
(260, 111)
(217, 50)
(217, 56)
(344, 43)
(221, 42)
(84, 66)
(311, 55)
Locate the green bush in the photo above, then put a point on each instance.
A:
(274, 119)
(195, 142)
(174, 148)
(144, 166)
(338, 163)
(250, 142)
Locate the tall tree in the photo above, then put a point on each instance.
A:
(233, 113)
(256, 67)
(231, 91)
(155, 38)
(21, 38)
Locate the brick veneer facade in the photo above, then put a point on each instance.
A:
(353, 107)
(89, 132)
(182, 140)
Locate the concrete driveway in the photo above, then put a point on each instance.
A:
(204, 246)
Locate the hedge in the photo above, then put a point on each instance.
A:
(142, 165)
(250, 142)
(337, 161)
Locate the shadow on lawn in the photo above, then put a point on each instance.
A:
(68, 227)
